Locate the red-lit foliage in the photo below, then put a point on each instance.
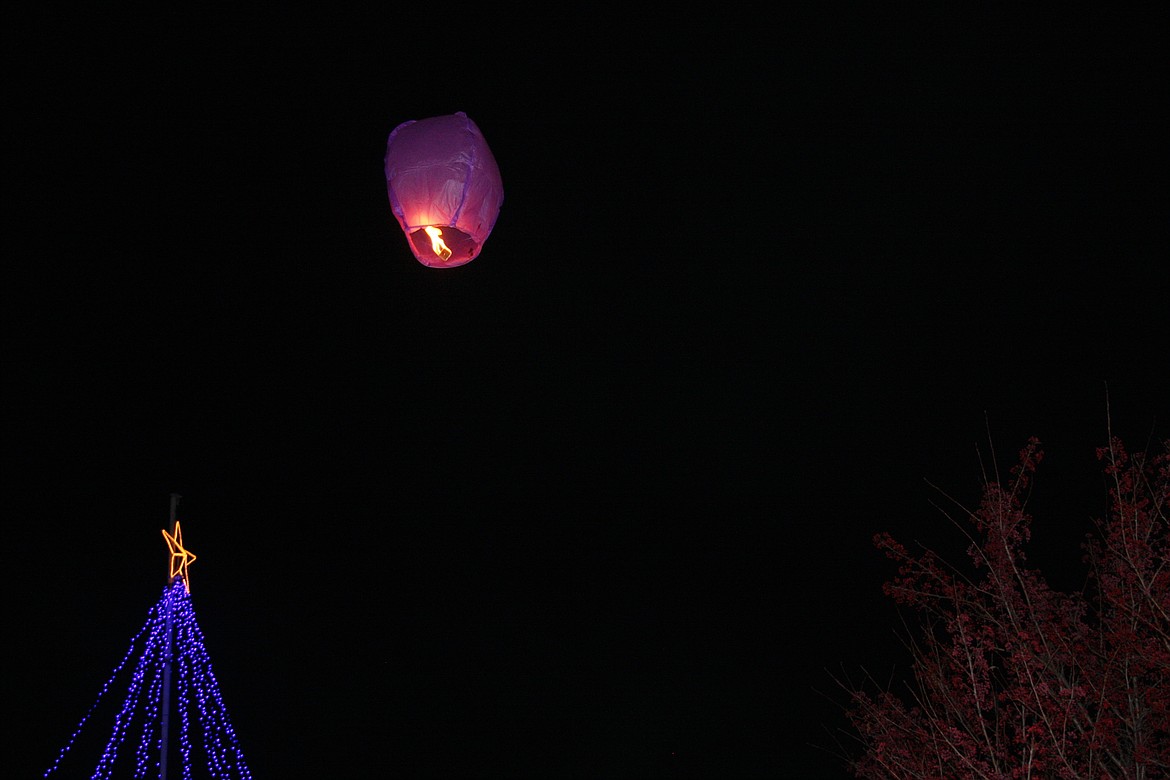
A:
(1013, 679)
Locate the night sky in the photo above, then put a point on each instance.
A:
(601, 502)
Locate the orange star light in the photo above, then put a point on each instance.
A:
(181, 557)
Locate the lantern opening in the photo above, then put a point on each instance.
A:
(442, 246)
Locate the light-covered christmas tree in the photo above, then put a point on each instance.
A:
(170, 641)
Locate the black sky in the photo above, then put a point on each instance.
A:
(599, 503)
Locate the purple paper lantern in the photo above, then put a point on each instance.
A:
(444, 188)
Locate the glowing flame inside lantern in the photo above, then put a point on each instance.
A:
(437, 245)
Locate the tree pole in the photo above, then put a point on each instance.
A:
(166, 691)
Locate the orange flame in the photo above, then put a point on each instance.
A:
(437, 245)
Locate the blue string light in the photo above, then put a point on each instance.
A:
(184, 710)
(144, 693)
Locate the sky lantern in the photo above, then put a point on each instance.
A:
(444, 188)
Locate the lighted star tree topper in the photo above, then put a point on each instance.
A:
(170, 637)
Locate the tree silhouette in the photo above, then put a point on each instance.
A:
(1013, 679)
